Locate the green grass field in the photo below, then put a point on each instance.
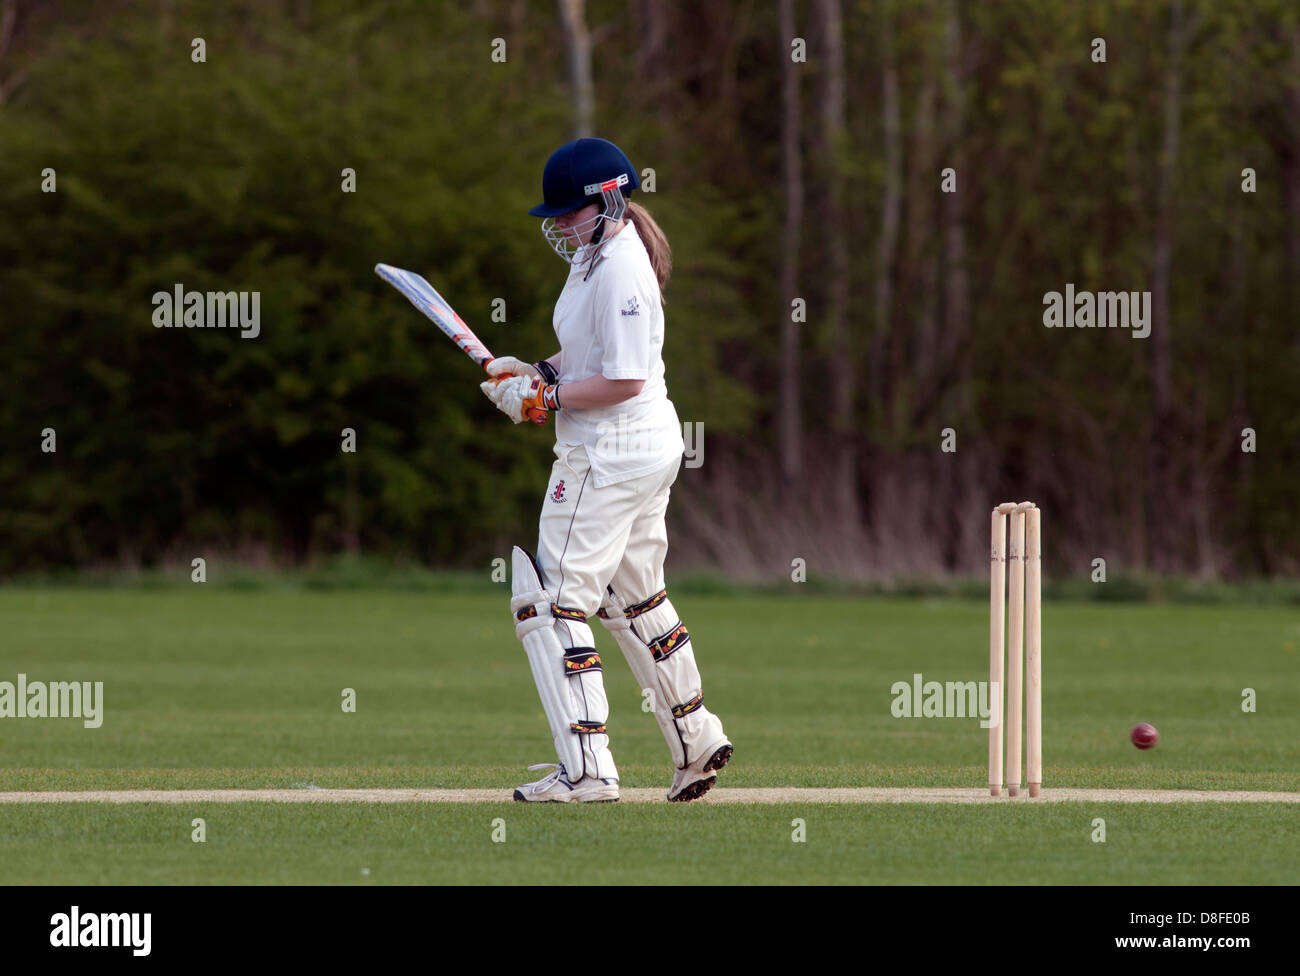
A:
(212, 687)
(412, 843)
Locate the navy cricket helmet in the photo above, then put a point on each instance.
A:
(580, 171)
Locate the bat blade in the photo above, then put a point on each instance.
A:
(425, 297)
(438, 310)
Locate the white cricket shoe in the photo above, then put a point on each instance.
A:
(698, 778)
(556, 788)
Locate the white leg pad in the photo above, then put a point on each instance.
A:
(664, 662)
(569, 680)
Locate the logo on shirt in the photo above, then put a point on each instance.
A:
(631, 308)
(558, 494)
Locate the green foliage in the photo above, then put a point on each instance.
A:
(226, 176)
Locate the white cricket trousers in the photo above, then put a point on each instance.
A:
(590, 538)
(603, 549)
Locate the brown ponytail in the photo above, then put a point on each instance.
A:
(656, 244)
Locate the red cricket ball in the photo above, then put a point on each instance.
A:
(1144, 735)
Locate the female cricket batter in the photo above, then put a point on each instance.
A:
(618, 447)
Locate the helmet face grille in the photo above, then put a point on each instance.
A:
(563, 241)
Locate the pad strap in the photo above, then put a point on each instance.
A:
(663, 646)
(580, 660)
(646, 605)
(684, 709)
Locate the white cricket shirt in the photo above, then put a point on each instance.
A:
(613, 324)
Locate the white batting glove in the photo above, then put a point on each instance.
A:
(519, 396)
(510, 366)
(494, 391)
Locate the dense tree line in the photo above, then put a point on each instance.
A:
(818, 181)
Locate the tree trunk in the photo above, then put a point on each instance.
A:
(843, 365)
(955, 376)
(915, 353)
(956, 298)
(891, 205)
(1160, 501)
(650, 23)
(573, 15)
(791, 425)
(1292, 171)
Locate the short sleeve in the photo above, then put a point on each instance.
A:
(624, 322)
